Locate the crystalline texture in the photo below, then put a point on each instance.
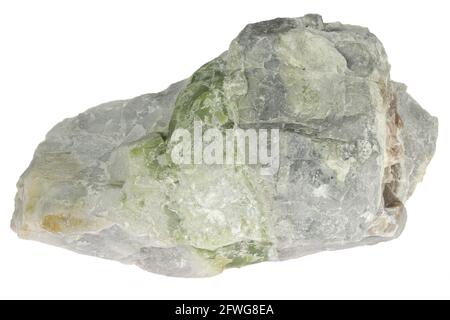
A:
(353, 146)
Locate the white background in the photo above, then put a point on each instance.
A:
(57, 58)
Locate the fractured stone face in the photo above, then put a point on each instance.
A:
(353, 146)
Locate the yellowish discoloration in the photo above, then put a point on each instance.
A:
(311, 95)
(304, 50)
(46, 170)
(32, 191)
(341, 167)
(57, 223)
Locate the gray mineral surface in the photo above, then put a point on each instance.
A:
(352, 147)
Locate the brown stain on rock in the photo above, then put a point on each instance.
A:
(55, 223)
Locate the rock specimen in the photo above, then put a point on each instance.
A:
(352, 146)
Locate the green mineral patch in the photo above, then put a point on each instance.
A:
(236, 255)
(203, 99)
(153, 151)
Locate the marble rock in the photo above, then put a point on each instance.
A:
(352, 143)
